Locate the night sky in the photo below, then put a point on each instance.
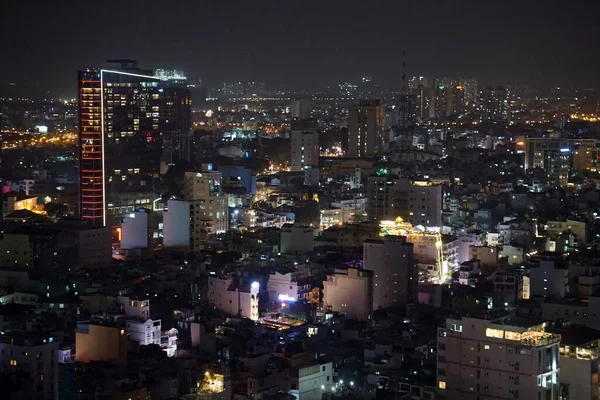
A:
(303, 44)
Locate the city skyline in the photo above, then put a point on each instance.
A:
(300, 45)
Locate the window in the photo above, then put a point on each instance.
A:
(323, 368)
(495, 333)
(442, 385)
(14, 363)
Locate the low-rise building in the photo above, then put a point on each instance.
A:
(233, 298)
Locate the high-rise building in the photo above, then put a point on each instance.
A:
(32, 358)
(416, 82)
(448, 101)
(557, 165)
(417, 202)
(494, 104)
(176, 124)
(471, 90)
(365, 129)
(301, 108)
(395, 274)
(503, 358)
(304, 145)
(120, 142)
(209, 213)
(585, 151)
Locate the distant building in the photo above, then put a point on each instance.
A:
(69, 243)
(32, 358)
(285, 287)
(296, 239)
(225, 294)
(120, 140)
(144, 332)
(504, 358)
(365, 129)
(100, 340)
(549, 275)
(301, 108)
(304, 141)
(389, 197)
(134, 230)
(494, 104)
(557, 165)
(395, 275)
(578, 360)
(245, 176)
(176, 224)
(209, 212)
(350, 292)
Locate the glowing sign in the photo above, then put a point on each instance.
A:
(285, 297)
(564, 150)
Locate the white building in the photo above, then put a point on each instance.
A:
(145, 332)
(505, 358)
(176, 224)
(309, 382)
(134, 230)
(282, 287)
(135, 307)
(296, 238)
(350, 292)
(395, 275)
(304, 142)
(549, 276)
(34, 355)
(225, 295)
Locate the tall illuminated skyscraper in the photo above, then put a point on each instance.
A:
(120, 140)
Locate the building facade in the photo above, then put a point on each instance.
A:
(503, 358)
(120, 140)
(365, 129)
(350, 292)
(394, 273)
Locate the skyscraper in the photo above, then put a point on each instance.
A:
(176, 124)
(365, 129)
(494, 104)
(304, 145)
(120, 140)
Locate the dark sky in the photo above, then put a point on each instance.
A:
(303, 43)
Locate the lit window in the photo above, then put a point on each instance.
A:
(486, 347)
(442, 385)
(495, 333)
(14, 363)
